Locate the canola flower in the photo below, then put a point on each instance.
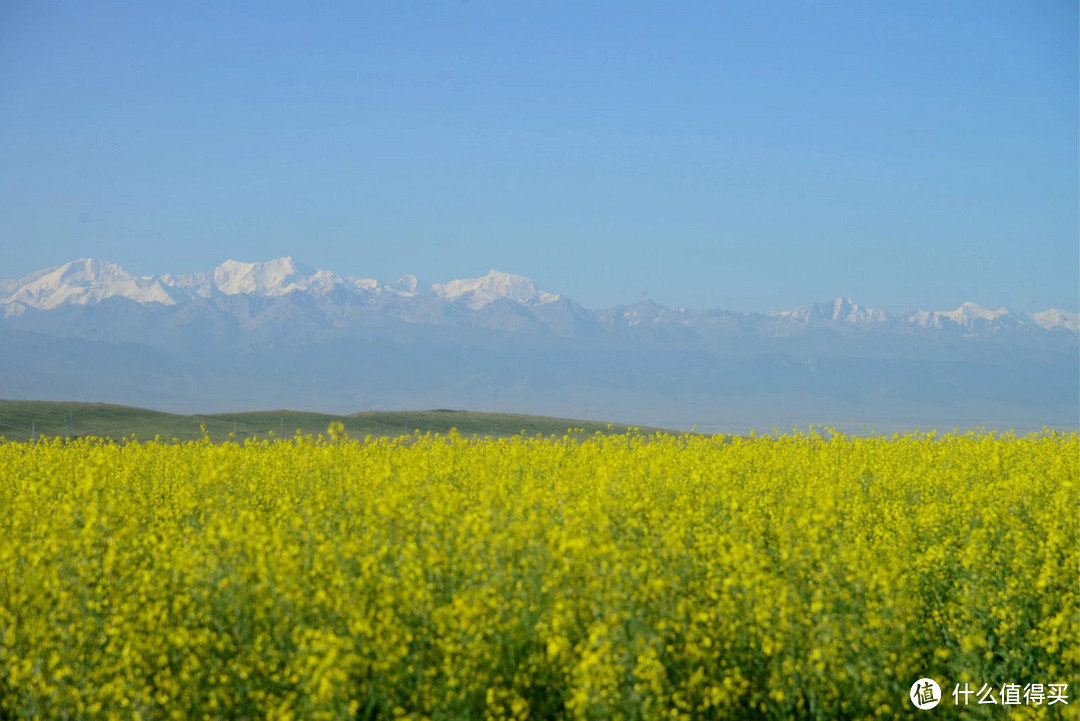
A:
(811, 575)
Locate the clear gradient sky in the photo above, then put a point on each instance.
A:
(747, 155)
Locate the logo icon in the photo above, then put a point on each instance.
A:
(925, 693)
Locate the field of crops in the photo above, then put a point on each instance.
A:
(810, 575)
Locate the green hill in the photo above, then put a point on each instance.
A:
(21, 420)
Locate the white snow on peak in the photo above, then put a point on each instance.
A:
(1057, 318)
(966, 315)
(82, 281)
(968, 312)
(841, 310)
(89, 281)
(365, 285)
(478, 292)
(645, 311)
(274, 277)
(847, 311)
(404, 286)
(282, 276)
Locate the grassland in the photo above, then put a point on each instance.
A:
(19, 420)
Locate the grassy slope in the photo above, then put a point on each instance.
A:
(19, 418)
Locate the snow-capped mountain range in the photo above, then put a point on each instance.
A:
(91, 281)
(88, 281)
(281, 334)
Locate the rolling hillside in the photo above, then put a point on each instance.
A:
(21, 420)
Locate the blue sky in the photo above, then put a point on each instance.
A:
(751, 155)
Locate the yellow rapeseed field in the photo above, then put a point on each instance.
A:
(810, 575)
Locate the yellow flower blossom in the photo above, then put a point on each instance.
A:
(812, 575)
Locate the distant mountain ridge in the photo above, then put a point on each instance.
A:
(282, 334)
(90, 281)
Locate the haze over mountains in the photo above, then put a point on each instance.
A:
(281, 334)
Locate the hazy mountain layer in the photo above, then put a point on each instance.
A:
(257, 335)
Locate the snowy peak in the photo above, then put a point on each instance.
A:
(969, 316)
(646, 311)
(840, 310)
(274, 277)
(87, 282)
(81, 281)
(845, 310)
(478, 292)
(403, 286)
(1057, 318)
(969, 312)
